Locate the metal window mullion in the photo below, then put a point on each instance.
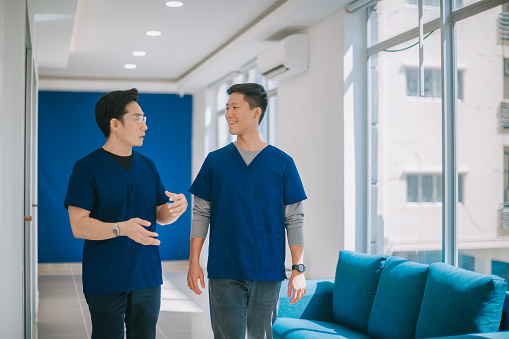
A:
(449, 139)
(421, 49)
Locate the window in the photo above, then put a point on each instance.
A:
(433, 3)
(432, 82)
(474, 137)
(424, 188)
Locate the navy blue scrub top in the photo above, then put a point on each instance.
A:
(247, 222)
(100, 185)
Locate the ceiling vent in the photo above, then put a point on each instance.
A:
(285, 59)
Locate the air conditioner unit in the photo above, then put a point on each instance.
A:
(285, 59)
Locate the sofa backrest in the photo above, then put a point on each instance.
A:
(357, 276)
(398, 299)
(457, 301)
(376, 294)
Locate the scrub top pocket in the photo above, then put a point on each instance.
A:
(270, 253)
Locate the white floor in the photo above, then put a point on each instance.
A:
(63, 311)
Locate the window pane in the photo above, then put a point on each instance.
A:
(408, 133)
(412, 82)
(427, 188)
(481, 143)
(460, 188)
(506, 174)
(412, 188)
(393, 17)
(221, 98)
(438, 183)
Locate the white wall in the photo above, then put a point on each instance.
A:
(12, 89)
(310, 129)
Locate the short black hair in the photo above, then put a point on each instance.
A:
(112, 106)
(254, 94)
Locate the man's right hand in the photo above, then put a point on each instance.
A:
(135, 229)
(194, 274)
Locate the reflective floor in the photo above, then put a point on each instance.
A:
(63, 311)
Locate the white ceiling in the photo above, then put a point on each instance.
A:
(91, 40)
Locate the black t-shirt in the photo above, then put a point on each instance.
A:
(125, 162)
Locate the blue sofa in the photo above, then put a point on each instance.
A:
(388, 297)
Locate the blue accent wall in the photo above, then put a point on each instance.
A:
(68, 132)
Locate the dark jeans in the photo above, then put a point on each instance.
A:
(237, 305)
(138, 309)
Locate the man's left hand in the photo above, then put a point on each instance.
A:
(296, 286)
(179, 205)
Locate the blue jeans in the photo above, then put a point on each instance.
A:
(237, 305)
(138, 309)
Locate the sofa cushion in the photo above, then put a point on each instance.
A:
(398, 299)
(291, 328)
(316, 304)
(357, 276)
(457, 301)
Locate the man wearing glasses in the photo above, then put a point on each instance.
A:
(114, 198)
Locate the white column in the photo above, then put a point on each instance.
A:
(12, 89)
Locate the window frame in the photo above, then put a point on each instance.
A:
(446, 23)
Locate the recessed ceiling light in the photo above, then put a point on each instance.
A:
(139, 53)
(153, 33)
(174, 4)
(129, 66)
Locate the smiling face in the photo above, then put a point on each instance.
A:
(241, 118)
(129, 132)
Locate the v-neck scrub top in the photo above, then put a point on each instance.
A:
(247, 226)
(100, 185)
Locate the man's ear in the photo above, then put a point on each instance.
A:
(114, 124)
(258, 112)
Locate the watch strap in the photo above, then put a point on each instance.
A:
(299, 267)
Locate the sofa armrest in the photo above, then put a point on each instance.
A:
(316, 304)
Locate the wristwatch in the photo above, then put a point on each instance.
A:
(115, 230)
(299, 267)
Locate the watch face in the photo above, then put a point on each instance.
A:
(115, 230)
(299, 267)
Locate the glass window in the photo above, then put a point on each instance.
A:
(506, 174)
(408, 137)
(464, 3)
(425, 188)
(432, 82)
(393, 17)
(482, 144)
(412, 188)
(435, 4)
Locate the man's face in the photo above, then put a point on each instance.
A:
(241, 119)
(130, 130)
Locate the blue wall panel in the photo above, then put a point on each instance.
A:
(68, 132)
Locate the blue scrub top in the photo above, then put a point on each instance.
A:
(247, 221)
(100, 185)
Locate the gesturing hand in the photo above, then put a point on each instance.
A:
(135, 229)
(179, 204)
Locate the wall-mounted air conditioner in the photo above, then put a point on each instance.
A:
(285, 59)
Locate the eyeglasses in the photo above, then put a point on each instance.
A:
(140, 118)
